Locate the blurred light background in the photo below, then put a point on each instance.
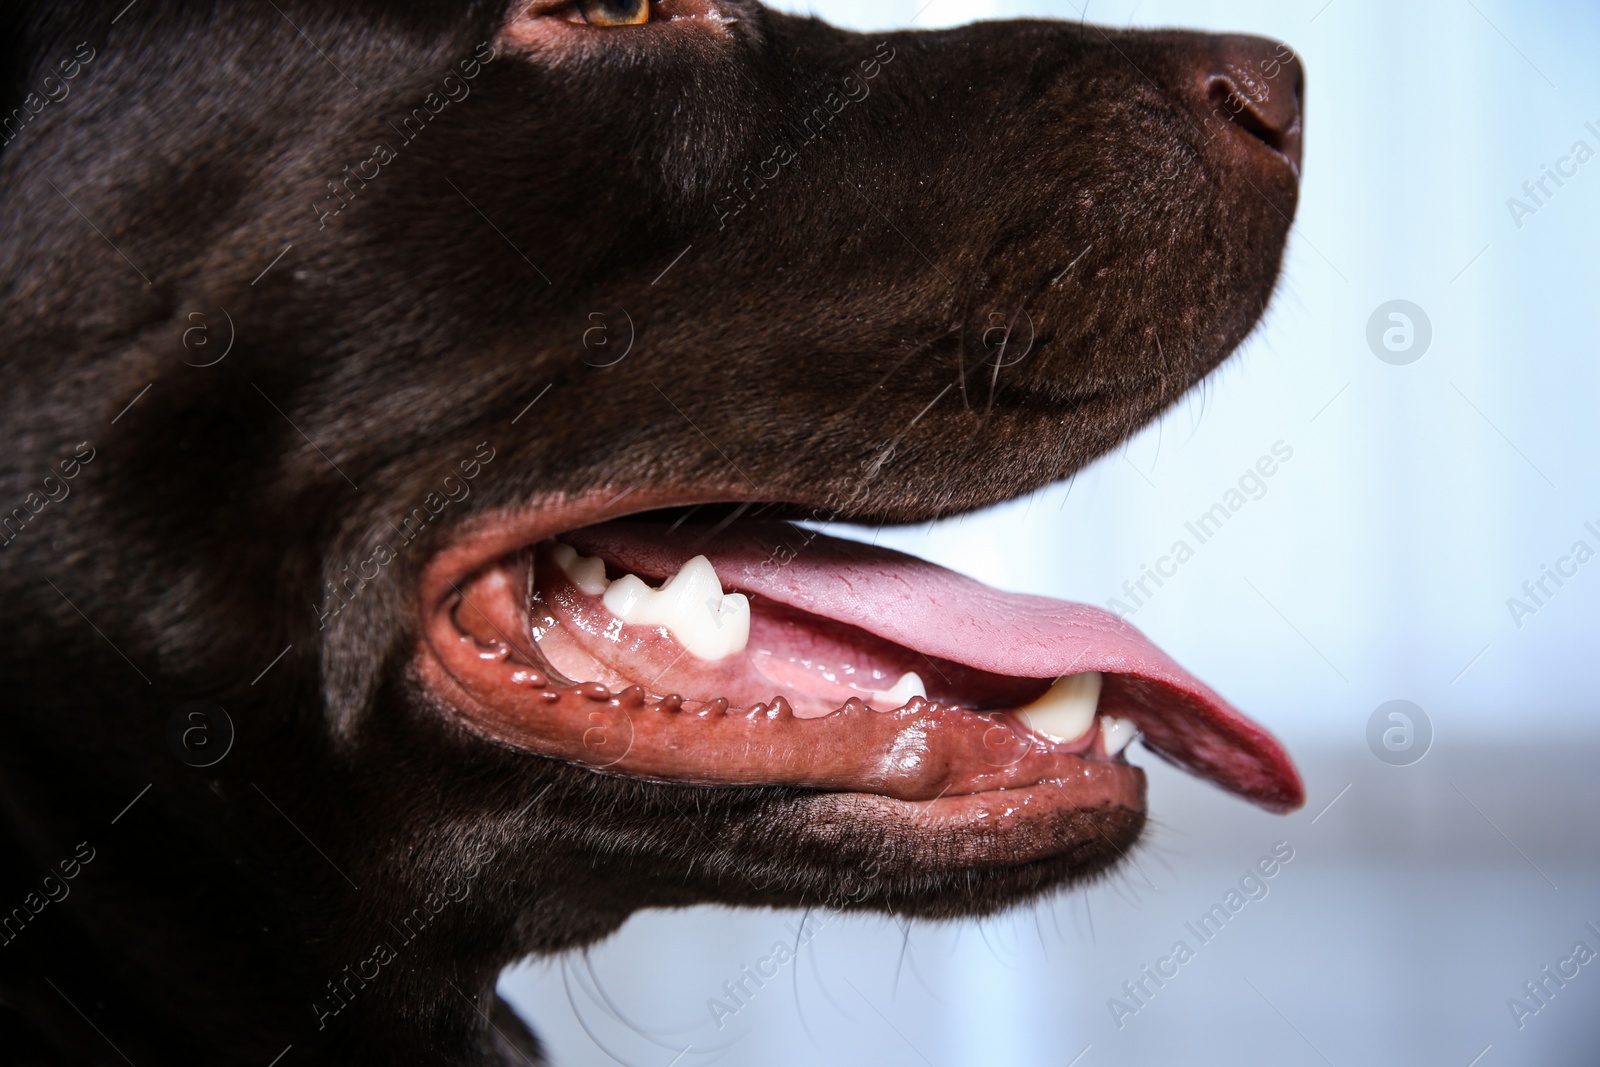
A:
(1377, 566)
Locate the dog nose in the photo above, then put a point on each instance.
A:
(1257, 86)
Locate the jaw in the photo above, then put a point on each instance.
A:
(955, 792)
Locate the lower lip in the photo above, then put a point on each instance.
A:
(1005, 827)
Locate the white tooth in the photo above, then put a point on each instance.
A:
(1066, 711)
(910, 685)
(588, 573)
(692, 607)
(1117, 734)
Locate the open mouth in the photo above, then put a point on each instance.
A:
(765, 653)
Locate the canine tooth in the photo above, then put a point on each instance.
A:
(910, 685)
(711, 625)
(588, 573)
(1066, 711)
(1117, 734)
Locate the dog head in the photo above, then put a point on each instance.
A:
(373, 363)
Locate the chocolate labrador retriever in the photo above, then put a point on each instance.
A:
(419, 420)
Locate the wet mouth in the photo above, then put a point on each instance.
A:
(765, 653)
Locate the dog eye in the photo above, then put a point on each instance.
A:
(615, 12)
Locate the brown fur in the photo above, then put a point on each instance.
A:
(827, 346)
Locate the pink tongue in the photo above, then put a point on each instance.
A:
(941, 613)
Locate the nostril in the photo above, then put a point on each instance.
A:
(1226, 100)
(1258, 86)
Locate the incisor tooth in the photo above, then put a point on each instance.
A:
(910, 685)
(1066, 711)
(692, 607)
(1117, 734)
